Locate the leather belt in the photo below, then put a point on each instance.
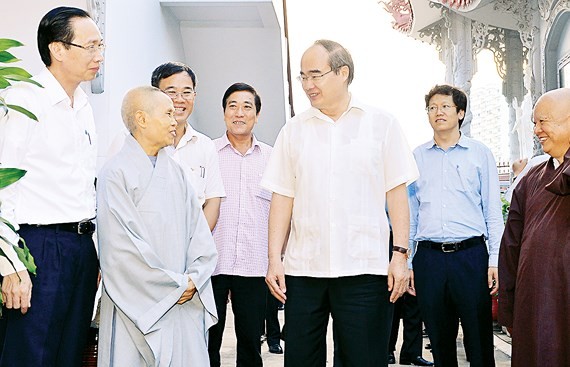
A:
(453, 246)
(83, 227)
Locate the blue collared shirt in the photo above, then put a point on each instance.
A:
(457, 195)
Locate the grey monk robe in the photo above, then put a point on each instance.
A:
(152, 237)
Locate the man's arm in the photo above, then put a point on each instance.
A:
(492, 212)
(398, 211)
(212, 211)
(280, 213)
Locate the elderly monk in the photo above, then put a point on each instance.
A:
(156, 250)
(535, 249)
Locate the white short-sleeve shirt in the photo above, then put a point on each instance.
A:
(198, 156)
(338, 174)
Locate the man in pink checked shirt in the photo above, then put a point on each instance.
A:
(241, 231)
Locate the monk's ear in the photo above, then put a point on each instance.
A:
(140, 119)
(57, 50)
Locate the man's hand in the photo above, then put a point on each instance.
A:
(412, 288)
(188, 293)
(275, 279)
(493, 279)
(519, 165)
(17, 291)
(398, 276)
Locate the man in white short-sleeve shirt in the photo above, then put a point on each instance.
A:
(333, 169)
(194, 151)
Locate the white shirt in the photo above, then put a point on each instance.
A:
(59, 152)
(198, 157)
(338, 174)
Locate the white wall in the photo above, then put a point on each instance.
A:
(20, 19)
(140, 35)
(223, 56)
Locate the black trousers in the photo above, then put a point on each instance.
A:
(54, 330)
(407, 309)
(248, 299)
(453, 286)
(362, 317)
(272, 328)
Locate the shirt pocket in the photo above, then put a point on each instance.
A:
(365, 238)
(307, 241)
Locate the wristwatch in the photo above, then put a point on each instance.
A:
(403, 250)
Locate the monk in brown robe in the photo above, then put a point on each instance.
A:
(534, 259)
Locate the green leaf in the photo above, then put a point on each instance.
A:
(4, 83)
(7, 71)
(8, 224)
(7, 57)
(6, 43)
(26, 257)
(23, 79)
(10, 175)
(22, 110)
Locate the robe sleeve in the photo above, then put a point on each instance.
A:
(509, 255)
(202, 254)
(134, 276)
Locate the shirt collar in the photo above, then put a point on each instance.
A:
(55, 92)
(226, 142)
(463, 142)
(189, 135)
(353, 103)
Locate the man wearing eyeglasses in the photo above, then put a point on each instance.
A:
(194, 151)
(54, 203)
(332, 171)
(455, 214)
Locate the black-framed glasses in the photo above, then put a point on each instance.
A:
(313, 78)
(187, 94)
(446, 108)
(91, 49)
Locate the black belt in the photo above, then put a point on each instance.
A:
(453, 246)
(83, 227)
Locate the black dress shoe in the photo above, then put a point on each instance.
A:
(416, 361)
(275, 349)
(391, 358)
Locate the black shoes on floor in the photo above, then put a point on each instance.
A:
(275, 349)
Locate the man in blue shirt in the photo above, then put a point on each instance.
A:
(455, 210)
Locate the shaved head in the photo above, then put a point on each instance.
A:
(551, 118)
(137, 99)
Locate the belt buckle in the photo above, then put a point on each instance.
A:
(448, 247)
(85, 227)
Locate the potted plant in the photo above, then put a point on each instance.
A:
(8, 176)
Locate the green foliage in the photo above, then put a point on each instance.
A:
(10, 175)
(10, 74)
(505, 208)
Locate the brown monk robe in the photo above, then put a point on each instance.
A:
(534, 267)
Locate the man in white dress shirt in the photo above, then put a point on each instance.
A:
(55, 202)
(332, 171)
(194, 151)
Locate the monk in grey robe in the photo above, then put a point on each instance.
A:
(534, 259)
(156, 251)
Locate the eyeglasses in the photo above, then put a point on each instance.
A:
(91, 49)
(188, 94)
(313, 78)
(446, 108)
